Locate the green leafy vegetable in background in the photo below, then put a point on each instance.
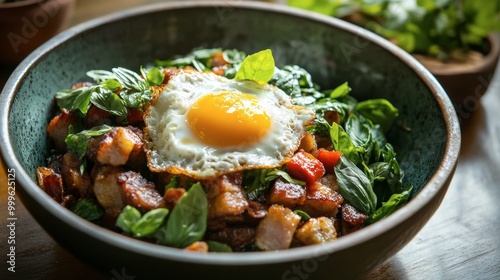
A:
(445, 29)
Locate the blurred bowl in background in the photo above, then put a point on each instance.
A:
(27, 24)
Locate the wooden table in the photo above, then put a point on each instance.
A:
(461, 241)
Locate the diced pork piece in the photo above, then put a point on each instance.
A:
(137, 159)
(236, 237)
(75, 182)
(57, 129)
(256, 211)
(352, 218)
(172, 196)
(139, 192)
(117, 146)
(276, 230)
(308, 144)
(51, 183)
(198, 246)
(226, 197)
(107, 189)
(322, 198)
(286, 193)
(317, 231)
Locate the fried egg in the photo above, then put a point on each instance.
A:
(203, 125)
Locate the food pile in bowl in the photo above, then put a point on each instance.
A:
(221, 151)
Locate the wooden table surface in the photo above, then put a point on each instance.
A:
(461, 241)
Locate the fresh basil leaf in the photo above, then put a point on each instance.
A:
(355, 186)
(136, 99)
(258, 67)
(342, 142)
(75, 99)
(340, 91)
(111, 84)
(214, 246)
(78, 142)
(127, 219)
(149, 222)
(129, 79)
(87, 208)
(155, 76)
(188, 220)
(379, 111)
(395, 202)
(110, 102)
(101, 75)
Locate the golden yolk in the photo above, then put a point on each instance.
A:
(228, 119)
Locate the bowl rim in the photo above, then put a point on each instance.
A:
(439, 180)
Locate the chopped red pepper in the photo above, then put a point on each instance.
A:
(329, 158)
(305, 167)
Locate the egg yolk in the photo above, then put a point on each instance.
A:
(228, 119)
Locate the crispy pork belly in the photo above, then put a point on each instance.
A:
(286, 193)
(256, 211)
(172, 196)
(352, 218)
(308, 144)
(276, 230)
(226, 197)
(75, 182)
(117, 146)
(51, 183)
(57, 129)
(322, 198)
(317, 231)
(139, 192)
(236, 237)
(198, 246)
(107, 189)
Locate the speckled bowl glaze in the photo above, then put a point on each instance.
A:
(332, 50)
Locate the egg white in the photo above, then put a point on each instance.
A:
(172, 147)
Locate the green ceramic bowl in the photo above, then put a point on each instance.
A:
(332, 50)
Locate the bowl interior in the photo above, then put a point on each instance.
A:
(331, 50)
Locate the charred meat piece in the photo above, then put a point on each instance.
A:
(316, 231)
(119, 146)
(322, 198)
(236, 237)
(276, 230)
(75, 182)
(51, 183)
(107, 189)
(57, 129)
(308, 144)
(139, 192)
(226, 197)
(352, 218)
(172, 196)
(286, 193)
